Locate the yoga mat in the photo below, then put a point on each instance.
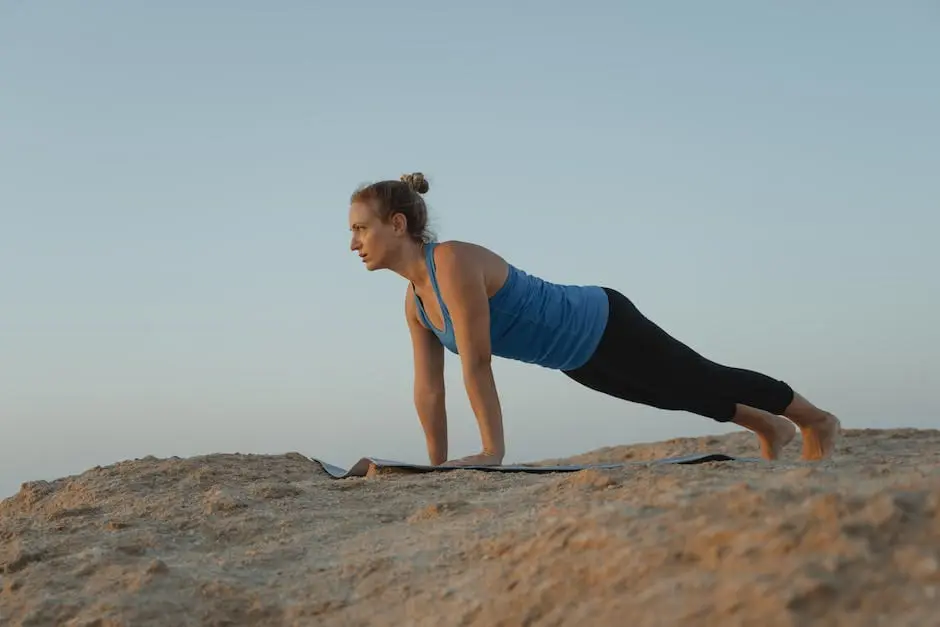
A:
(361, 468)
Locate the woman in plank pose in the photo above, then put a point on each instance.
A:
(469, 299)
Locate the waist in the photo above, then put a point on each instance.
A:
(553, 325)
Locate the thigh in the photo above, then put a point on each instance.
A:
(639, 361)
(650, 358)
(605, 378)
(641, 352)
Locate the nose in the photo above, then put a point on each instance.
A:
(354, 244)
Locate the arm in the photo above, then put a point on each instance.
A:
(429, 383)
(463, 288)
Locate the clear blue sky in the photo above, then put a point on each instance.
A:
(761, 178)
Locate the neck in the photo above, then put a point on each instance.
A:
(410, 264)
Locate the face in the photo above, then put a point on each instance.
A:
(376, 242)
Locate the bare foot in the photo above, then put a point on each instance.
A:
(774, 432)
(772, 440)
(819, 438)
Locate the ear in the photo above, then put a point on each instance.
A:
(400, 224)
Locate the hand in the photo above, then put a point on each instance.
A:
(480, 459)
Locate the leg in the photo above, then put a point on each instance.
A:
(773, 432)
(756, 395)
(638, 361)
(600, 379)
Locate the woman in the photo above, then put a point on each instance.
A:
(465, 297)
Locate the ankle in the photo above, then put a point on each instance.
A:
(760, 422)
(803, 413)
(807, 419)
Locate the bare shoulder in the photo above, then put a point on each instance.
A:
(409, 299)
(455, 257)
(455, 251)
(411, 310)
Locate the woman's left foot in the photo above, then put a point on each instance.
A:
(772, 441)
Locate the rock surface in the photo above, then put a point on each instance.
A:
(271, 540)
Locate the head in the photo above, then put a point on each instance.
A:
(389, 220)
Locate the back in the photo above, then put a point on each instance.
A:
(531, 320)
(553, 325)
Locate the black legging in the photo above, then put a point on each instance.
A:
(638, 361)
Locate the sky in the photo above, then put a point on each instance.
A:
(761, 179)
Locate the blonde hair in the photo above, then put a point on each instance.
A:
(402, 196)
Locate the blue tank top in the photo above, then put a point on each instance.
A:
(533, 320)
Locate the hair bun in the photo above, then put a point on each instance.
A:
(417, 182)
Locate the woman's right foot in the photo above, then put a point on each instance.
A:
(820, 428)
(820, 436)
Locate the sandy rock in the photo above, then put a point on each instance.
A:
(269, 540)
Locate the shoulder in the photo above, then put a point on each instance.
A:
(465, 268)
(411, 308)
(455, 257)
(409, 298)
(452, 251)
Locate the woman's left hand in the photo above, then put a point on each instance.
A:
(480, 459)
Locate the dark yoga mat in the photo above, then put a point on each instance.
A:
(360, 468)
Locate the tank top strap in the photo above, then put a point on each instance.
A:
(432, 274)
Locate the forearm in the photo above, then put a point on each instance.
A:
(432, 413)
(484, 399)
